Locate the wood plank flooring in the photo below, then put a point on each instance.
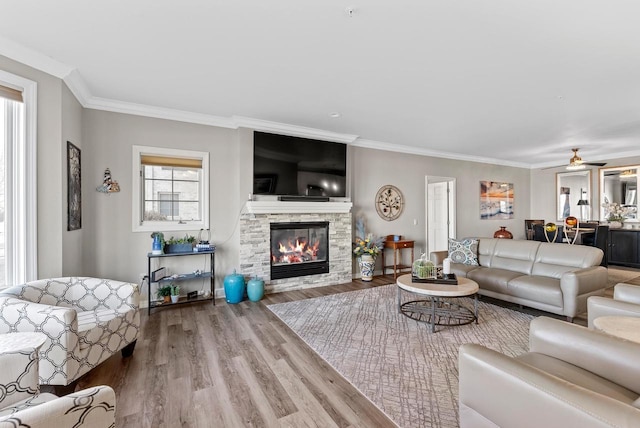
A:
(232, 366)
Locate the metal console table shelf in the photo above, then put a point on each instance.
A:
(184, 277)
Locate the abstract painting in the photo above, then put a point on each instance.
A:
(496, 200)
(74, 188)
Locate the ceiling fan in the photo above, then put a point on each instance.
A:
(576, 162)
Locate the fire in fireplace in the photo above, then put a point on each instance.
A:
(299, 249)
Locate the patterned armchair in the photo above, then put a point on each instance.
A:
(86, 320)
(22, 404)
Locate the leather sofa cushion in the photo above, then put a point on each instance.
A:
(554, 260)
(517, 256)
(577, 376)
(537, 288)
(493, 279)
(462, 270)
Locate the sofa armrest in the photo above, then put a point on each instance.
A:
(602, 306)
(50, 320)
(19, 376)
(437, 257)
(510, 393)
(591, 280)
(627, 293)
(597, 352)
(90, 408)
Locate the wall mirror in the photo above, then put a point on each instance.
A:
(573, 194)
(619, 185)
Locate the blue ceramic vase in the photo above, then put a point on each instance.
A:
(255, 289)
(234, 287)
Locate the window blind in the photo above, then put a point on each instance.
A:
(170, 161)
(10, 93)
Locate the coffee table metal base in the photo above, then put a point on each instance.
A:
(439, 311)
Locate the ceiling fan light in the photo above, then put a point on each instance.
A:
(575, 166)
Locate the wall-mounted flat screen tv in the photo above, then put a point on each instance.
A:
(285, 165)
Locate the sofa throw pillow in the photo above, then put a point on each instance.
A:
(464, 251)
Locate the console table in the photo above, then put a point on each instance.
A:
(397, 247)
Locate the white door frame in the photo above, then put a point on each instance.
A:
(451, 206)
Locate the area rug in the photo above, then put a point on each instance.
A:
(407, 372)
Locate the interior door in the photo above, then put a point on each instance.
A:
(441, 212)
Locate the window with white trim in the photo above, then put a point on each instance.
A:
(171, 189)
(18, 178)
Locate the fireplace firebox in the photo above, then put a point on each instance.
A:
(299, 249)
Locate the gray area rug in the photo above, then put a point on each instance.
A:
(409, 373)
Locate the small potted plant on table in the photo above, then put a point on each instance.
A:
(175, 293)
(165, 293)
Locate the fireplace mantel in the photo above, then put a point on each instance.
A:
(281, 207)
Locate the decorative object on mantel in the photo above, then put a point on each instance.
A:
(503, 233)
(108, 185)
(366, 248)
(389, 202)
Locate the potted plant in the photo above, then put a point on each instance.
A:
(366, 248)
(179, 245)
(158, 243)
(165, 293)
(175, 293)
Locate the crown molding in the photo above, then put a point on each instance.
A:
(106, 104)
(293, 130)
(27, 56)
(371, 144)
(78, 87)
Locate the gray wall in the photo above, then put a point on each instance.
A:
(374, 168)
(73, 244)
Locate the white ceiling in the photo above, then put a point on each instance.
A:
(515, 82)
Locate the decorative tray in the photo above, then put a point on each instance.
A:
(450, 278)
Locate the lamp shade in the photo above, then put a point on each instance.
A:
(583, 202)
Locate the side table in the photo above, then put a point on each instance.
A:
(397, 265)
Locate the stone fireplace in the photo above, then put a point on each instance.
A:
(296, 260)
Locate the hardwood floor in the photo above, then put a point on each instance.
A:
(232, 366)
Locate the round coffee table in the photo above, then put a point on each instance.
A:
(438, 308)
(625, 327)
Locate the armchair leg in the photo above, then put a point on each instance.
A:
(60, 390)
(127, 351)
(570, 319)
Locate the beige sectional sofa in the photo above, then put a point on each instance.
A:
(556, 278)
(571, 377)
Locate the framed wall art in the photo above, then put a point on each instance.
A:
(74, 188)
(496, 200)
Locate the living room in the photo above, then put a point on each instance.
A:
(70, 109)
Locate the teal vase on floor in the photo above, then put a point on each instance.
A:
(255, 289)
(234, 287)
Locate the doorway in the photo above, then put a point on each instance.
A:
(441, 212)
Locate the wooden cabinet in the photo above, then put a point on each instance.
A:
(624, 247)
(183, 277)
